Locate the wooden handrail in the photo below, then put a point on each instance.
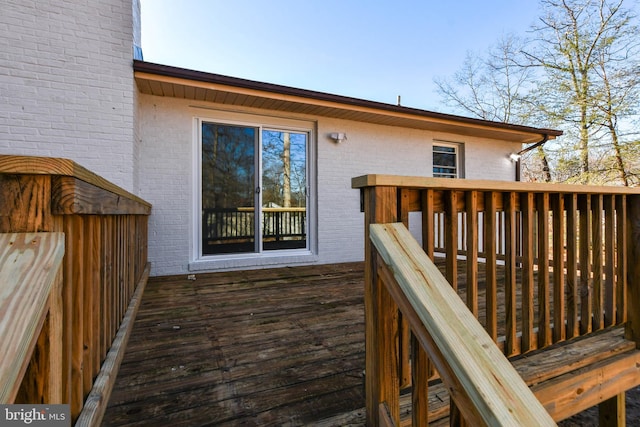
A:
(104, 267)
(33, 165)
(377, 180)
(486, 387)
(547, 262)
(29, 279)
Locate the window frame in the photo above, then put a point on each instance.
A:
(200, 261)
(459, 158)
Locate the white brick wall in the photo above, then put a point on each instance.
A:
(66, 83)
(67, 88)
(166, 179)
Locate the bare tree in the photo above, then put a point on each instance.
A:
(496, 87)
(492, 86)
(619, 93)
(579, 71)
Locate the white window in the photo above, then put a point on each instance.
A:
(447, 160)
(253, 189)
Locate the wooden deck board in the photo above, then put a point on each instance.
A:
(270, 347)
(252, 348)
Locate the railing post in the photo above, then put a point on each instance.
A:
(632, 331)
(380, 206)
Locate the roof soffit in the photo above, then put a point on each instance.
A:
(353, 109)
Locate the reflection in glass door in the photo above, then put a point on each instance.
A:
(237, 205)
(284, 190)
(228, 190)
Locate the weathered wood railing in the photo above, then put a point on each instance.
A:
(487, 389)
(104, 271)
(498, 238)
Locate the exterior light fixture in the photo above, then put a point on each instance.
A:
(338, 137)
(514, 157)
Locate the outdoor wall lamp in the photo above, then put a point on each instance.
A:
(514, 157)
(338, 137)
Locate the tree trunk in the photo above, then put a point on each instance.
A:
(618, 155)
(545, 164)
(286, 160)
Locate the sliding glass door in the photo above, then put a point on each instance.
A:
(254, 189)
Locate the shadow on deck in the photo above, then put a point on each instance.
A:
(277, 347)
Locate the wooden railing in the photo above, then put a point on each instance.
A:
(30, 283)
(104, 272)
(228, 230)
(535, 263)
(487, 389)
(220, 225)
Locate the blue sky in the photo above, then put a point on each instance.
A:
(374, 49)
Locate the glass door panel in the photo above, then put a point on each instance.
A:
(284, 190)
(228, 188)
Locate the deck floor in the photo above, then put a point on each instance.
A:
(276, 347)
(271, 348)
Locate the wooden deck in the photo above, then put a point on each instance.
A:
(271, 347)
(277, 347)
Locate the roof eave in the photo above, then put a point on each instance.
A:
(164, 80)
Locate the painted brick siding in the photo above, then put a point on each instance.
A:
(166, 180)
(167, 165)
(66, 81)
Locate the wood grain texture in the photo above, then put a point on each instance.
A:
(28, 165)
(71, 195)
(381, 205)
(490, 383)
(29, 265)
(26, 204)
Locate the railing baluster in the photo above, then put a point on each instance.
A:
(388, 351)
(544, 309)
(586, 292)
(597, 249)
(573, 324)
(451, 238)
(609, 257)
(472, 251)
(420, 379)
(528, 255)
(559, 233)
(428, 222)
(511, 324)
(74, 244)
(491, 297)
(621, 258)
